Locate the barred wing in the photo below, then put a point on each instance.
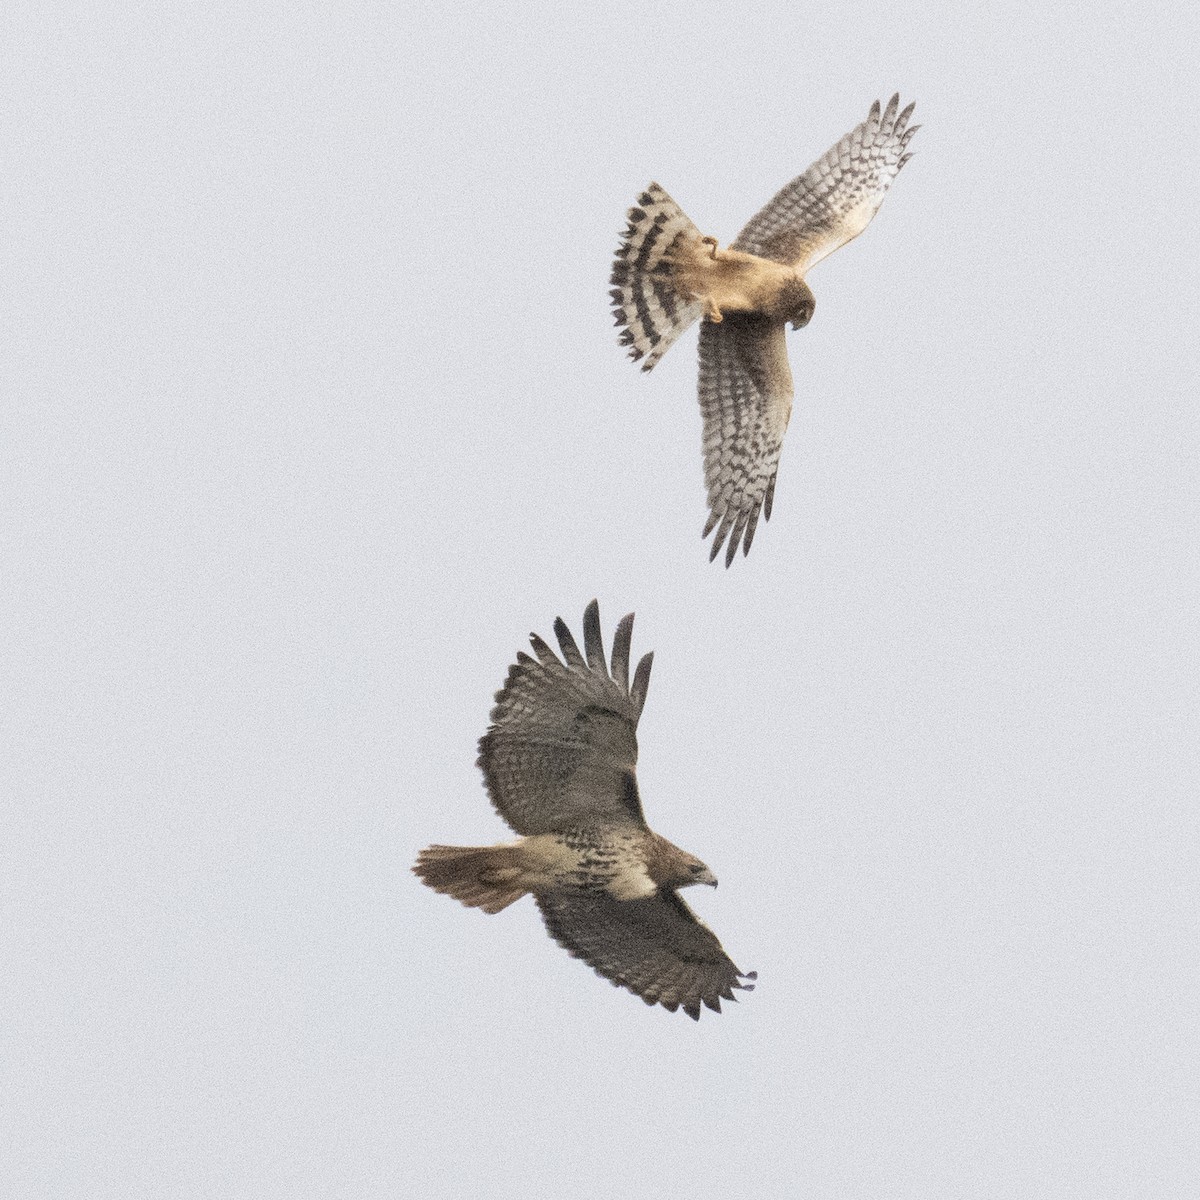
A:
(561, 749)
(835, 199)
(656, 947)
(746, 401)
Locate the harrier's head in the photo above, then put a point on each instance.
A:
(796, 303)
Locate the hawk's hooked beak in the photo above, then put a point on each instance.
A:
(705, 876)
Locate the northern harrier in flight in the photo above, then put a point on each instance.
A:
(667, 275)
(559, 762)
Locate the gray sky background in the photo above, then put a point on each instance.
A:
(313, 411)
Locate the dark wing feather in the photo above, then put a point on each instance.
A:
(656, 947)
(746, 401)
(593, 639)
(562, 748)
(620, 655)
(836, 198)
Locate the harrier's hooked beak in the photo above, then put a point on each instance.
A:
(701, 874)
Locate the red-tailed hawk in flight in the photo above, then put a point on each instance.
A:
(559, 759)
(667, 274)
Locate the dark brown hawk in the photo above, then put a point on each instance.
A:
(559, 761)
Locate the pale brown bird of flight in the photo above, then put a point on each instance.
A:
(558, 760)
(667, 275)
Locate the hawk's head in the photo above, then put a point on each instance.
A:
(668, 866)
(694, 871)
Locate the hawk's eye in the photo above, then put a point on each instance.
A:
(696, 868)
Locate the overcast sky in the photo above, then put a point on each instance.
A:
(313, 411)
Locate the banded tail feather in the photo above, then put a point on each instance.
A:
(486, 877)
(647, 306)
